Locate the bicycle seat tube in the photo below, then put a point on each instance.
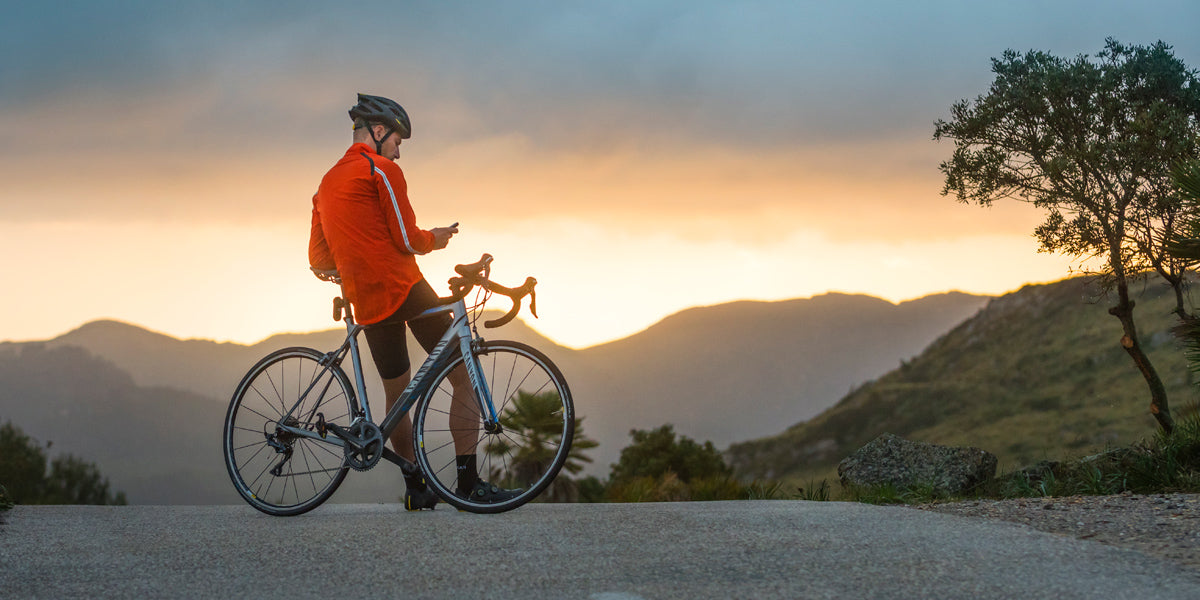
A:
(352, 330)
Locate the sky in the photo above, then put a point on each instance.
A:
(158, 159)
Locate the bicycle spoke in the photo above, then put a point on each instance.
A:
(304, 452)
(266, 467)
(265, 417)
(278, 393)
(270, 419)
(263, 444)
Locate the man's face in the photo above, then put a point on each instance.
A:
(391, 144)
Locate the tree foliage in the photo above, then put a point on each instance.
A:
(656, 452)
(1186, 176)
(1092, 142)
(1187, 246)
(70, 480)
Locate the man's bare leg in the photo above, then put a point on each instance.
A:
(401, 437)
(464, 414)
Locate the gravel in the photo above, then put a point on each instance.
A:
(1166, 526)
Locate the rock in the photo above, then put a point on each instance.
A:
(893, 460)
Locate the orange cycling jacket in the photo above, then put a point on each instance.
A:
(364, 226)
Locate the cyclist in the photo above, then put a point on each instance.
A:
(364, 226)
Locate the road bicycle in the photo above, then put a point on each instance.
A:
(296, 426)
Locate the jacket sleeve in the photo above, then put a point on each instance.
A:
(402, 222)
(319, 254)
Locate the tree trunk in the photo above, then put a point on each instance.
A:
(1177, 284)
(1158, 393)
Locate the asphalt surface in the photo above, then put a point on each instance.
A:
(767, 549)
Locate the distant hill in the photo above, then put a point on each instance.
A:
(206, 367)
(735, 371)
(721, 373)
(1037, 374)
(158, 445)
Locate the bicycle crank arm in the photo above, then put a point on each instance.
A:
(409, 468)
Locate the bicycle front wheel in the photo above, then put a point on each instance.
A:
(522, 453)
(277, 471)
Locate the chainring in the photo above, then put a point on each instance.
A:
(370, 442)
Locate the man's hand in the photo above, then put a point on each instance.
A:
(442, 235)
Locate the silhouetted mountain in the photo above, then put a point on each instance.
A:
(214, 368)
(158, 445)
(720, 373)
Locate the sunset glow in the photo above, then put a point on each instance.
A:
(637, 159)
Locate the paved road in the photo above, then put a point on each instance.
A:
(769, 549)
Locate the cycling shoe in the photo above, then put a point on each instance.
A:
(420, 499)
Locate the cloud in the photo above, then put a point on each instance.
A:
(200, 110)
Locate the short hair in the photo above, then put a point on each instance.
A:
(360, 123)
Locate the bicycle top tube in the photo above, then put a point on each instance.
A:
(432, 312)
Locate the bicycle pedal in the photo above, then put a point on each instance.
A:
(322, 430)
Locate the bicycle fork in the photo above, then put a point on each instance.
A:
(471, 348)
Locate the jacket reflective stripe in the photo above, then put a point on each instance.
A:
(396, 206)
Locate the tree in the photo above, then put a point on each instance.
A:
(1092, 142)
(22, 464)
(71, 480)
(657, 452)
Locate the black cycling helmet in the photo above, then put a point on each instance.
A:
(377, 109)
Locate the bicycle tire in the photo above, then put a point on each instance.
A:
(313, 469)
(537, 427)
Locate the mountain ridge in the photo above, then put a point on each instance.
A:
(719, 373)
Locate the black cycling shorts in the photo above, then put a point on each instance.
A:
(388, 343)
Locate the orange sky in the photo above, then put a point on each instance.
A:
(157, 167)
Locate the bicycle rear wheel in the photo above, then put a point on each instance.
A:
(278, 472)
(523, 453)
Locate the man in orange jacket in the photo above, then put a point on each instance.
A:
(364, 226)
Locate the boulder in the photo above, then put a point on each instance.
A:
(893, 460)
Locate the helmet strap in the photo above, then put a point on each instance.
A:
(378, 142)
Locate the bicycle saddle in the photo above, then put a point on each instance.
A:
(327, 275)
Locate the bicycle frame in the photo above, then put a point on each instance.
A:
(458, 333)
